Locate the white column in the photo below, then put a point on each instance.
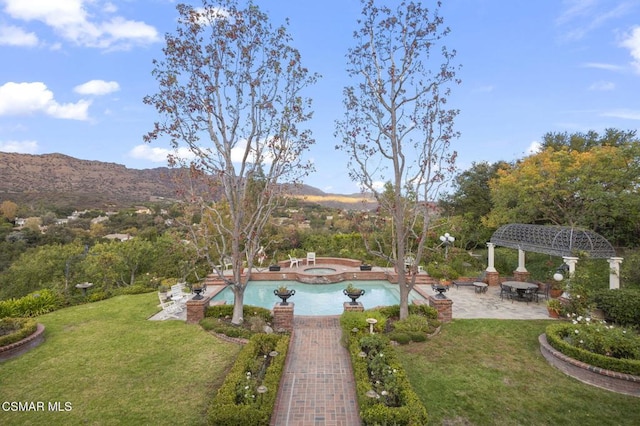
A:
(571, 262)
(521, 267)
(614, 272)
(490, 257)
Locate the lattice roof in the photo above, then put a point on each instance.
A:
(553, 240)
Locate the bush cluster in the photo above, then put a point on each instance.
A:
(583, 341)
(31, 305)
(620, 306)
(15, 329)
(385, 395)
(238, 401)
(248, 311)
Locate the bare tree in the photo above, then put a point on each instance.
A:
(397, 128)
(231, 93)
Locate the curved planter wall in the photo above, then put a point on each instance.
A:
(595, 376)
(18, 348)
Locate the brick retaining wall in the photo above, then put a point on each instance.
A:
(595, 376)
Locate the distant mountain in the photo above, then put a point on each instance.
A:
(60, 180)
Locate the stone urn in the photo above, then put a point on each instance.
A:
(284, 294)
(353, 294)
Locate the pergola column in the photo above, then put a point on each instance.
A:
(493, 277)
(521, 273)
(614, 272)
(571, 263)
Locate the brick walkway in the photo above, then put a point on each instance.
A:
(317, 387)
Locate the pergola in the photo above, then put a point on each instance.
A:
(562, 241)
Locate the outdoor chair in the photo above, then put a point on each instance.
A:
(311, 258)
(543, 291)
(178, 295)
(529, 295)
(293, 261)
(169, 308)
(506, 292)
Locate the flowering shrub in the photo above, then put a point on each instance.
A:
(604, 339)
(597, 343)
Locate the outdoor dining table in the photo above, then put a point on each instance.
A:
(520, 287)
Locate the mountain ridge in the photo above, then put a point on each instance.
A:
(61, 180)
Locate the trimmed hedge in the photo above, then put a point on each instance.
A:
(621, 306)
(230, 407)
(226, 311)
(15, 329)
(371, 353)
(556, 334)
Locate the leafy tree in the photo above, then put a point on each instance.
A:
(233, 80)
(585, 141)
(397, 127)
(38, 268)
(595, 188)
(8, 209)
(471, 201)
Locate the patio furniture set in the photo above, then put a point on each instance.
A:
(524, 291)
(174, 302)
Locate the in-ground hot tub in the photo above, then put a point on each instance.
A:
(319, 271)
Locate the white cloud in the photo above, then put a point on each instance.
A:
(21, 147)
(632, 42)
(73, 21)
(626, 114)
(157, 154)
(534, 148)
(602, 86)
(97, 87)
(601, 66)
(16, 36)
(29, 98)
(581, 17)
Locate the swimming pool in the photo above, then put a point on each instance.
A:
(317, 299)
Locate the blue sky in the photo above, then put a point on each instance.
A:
(73, 74)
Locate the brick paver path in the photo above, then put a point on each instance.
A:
(317, 387)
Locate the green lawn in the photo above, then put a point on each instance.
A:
(113, 367)
(491, 372)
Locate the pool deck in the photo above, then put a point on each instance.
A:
(317, 386)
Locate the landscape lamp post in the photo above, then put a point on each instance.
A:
(447, 240)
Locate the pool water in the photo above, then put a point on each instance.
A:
(317, 299)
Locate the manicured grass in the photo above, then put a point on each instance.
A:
(115, 367)
(490, 372)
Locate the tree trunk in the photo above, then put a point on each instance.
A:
(238, 304)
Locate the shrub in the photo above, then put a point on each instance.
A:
(620, 306)
(358, 320)
(578, 340)
(400, 337)
(384, 393)
(412, 324)
(15, 329)
(226, 311)
(8, 308)
(219, 326)
(238, 401)
(36, 303)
